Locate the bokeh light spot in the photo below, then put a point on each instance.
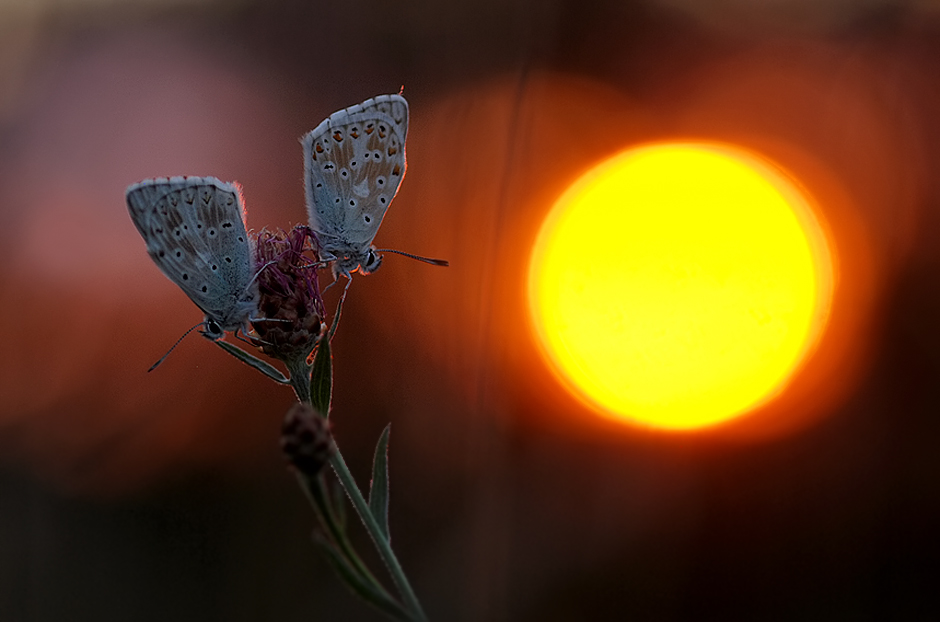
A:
(679, 285)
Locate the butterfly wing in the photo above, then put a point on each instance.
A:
(354, 162)
(194, 228)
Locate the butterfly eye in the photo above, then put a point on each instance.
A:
(372, 262)
(214, 330)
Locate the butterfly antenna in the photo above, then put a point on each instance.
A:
(433, 262)
(173, 347)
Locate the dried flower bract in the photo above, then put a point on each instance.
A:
(290, 306)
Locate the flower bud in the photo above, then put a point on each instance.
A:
(306, 439)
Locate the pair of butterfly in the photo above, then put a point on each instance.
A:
(195, 231)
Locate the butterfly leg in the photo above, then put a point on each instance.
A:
(339, 307)
(335, 279)
(259, 271)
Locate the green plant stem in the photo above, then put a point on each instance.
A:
(316, 490)
(365, 582)
(300, 379)
(382, 543)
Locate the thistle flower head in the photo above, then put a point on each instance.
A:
(290, 305)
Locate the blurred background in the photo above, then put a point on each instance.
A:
(134, 496)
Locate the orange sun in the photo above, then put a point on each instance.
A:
(679, 285)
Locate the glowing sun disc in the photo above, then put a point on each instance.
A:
(679, 285)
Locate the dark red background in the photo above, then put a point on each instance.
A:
(126, 495)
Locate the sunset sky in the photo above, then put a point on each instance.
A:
(128, 495)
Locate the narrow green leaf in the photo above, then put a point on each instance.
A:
(321, 378)
(339, 504)
(363, 587)
(378, 490)
(265, 368)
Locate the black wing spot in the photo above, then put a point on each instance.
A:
(161, 253)
(367, 218)
(319, 185)
(204, 289)
(185, 277)
(211, 233)
(241, 239)
(382, 200)
(228, 259)
(227, 225)
(179, 254)
(214, 267)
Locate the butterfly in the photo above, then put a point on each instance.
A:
(194, 228)
(354, 162)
